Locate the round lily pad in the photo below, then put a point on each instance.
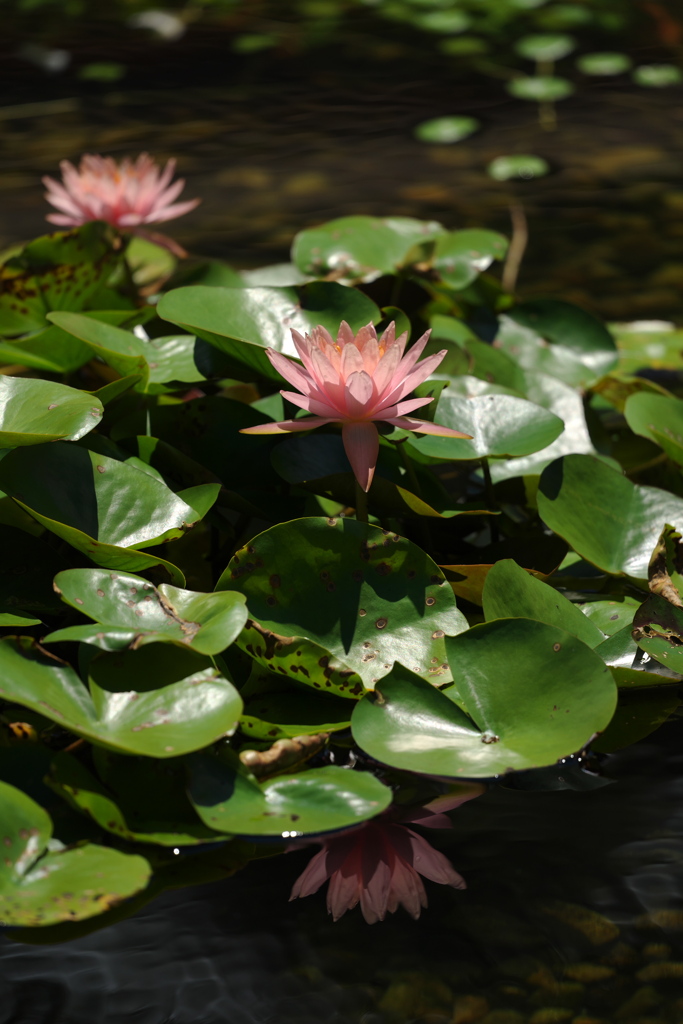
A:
(446, 129)
(525, 694)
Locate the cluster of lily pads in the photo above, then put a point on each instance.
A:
(205, 647)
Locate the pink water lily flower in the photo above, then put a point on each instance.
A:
(356, 381)
(128, 195)
(379, 864)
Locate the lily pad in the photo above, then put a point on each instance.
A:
(361, 596)
(518, 165)
(361, 248)
(152, 811)
(39, 887)
(162, 364)
(534, 693)
(659, 418)
(79, 495)
(63, 270)
(242, 322)
(658, 629)
(161, 702)
(446, 130)
(501, 426)
(603, 64)
(545, 48)
(229, 799)
(556, 337)
(36, 411)
(130, 611)
(510, 591)
(460, 256)
(606, 519)
(657, 76)
(541, 88)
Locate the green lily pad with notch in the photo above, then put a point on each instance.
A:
(534, 692)
(608, 520)
(63, 270)
(36, 411)
(163, 364)
(511, 591)
(540, 88)
(80, 495)
(154, 808)
(229, 799)
(365, 597)
(460, 256)
(556, 337)
(361, 248)
(502, 426)
(243, 322)
(659, 418)
(158, 701)
(41, 887)
(611, 615)
(658, 629)
(130, 612)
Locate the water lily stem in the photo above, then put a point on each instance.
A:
(490, 499)
(361, 504)
(518, 244)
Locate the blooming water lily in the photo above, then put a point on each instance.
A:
(126, 195)
(357, 380)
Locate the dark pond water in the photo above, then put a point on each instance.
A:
(271, 156)
(573, 912)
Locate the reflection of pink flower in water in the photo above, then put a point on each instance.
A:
(355, 381)
(126, 195)
(379, 865)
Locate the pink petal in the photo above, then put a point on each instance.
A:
(386, 369)
(310, 404)
(432, 864)
(351, 361)
(359, 391)
(312, 877)
(63, 220)
(361, 444)
(344, 335)
(290, 371)
(425, 427)
(286, 426)
(163, 241)
(171, 212)
(390, 413)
